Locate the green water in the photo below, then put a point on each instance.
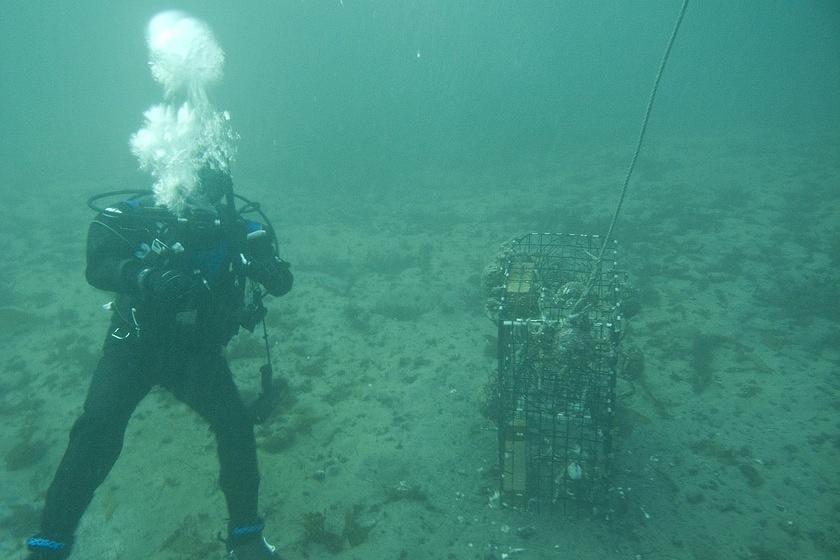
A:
(368, 87)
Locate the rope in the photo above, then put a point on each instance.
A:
(644, 127)
(632, 167)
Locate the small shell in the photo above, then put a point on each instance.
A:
(574, 471)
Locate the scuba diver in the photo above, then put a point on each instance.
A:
(185, 283)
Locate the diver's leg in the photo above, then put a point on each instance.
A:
(118, 385)
(206, 384)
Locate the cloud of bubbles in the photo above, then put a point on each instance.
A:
(185, 132)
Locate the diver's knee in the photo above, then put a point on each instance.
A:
(95, 425)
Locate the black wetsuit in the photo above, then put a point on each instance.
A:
(150, 344)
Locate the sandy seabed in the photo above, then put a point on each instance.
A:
(727, 447)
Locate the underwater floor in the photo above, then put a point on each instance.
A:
(728, 443)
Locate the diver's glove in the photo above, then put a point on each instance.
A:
(273, 273)
(172, 289)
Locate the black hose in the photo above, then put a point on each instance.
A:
(91, 202)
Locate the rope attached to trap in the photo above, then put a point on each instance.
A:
(597, 265)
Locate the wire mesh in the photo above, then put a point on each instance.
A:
(557, 348)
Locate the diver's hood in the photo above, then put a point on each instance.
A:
(214, 184)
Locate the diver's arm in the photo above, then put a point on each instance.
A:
(111, 264)
(273, 274)
(266, 267)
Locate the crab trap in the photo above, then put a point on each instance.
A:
(558, 314)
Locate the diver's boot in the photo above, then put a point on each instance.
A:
(43, 548)
(246, 542)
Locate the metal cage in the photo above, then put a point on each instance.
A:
(559, 328)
